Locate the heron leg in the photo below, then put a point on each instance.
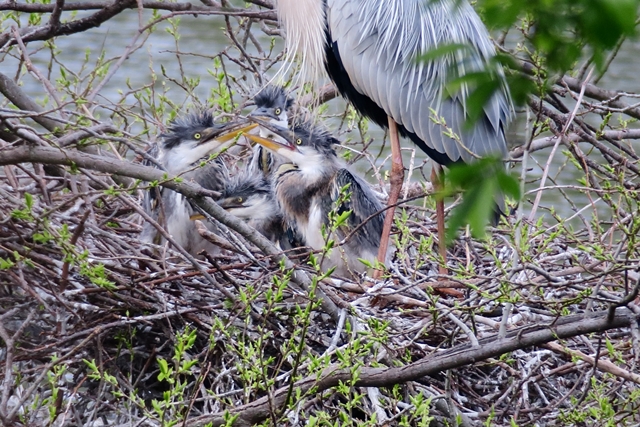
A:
(436, 178)
(395, 181)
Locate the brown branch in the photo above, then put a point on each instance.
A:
(107, 12)
(54, 19)
(32, 68)
(44, 32)
(603, 365)
(47, 155)
(93, 5)
(610, 97)
(20, 99)
(455, 357)
(325, 94)
(268, 4)
(549, 141)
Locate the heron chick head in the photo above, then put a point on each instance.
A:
(306, 144)
(248, 196)
(194, 136)
(272, 104)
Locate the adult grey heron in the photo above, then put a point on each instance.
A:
(370, 49)
(273, 105)
(183, 146)
(311, 187)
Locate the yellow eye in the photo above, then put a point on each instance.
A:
(239, 200)
(278, 111)
(299, 141)
(197, 136)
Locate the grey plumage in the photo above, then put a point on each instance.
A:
(273, 101)
(248, 196)
(378, 44)
(307, 191)
(273, 105)
(371, 49)
(182, 148)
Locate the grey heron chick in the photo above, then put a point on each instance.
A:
(316, 183)
(183, 147)
(272, 105)
(248, 196)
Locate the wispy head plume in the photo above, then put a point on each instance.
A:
(304, 23)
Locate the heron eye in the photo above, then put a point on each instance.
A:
(299, 141)
(239, 199)
(197, 135)
(278, 111)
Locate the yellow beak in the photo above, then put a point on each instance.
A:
(236, 133)
(267, 143)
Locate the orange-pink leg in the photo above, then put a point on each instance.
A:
(395, 180)
(436, 179)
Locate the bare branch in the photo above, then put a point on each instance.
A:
(457, 356)
(48, 155)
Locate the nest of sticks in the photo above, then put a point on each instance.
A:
(537, 325)
(99, 329)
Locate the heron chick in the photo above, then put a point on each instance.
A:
(183, 148)
(248, 196)
(272, 105)
(316, 188)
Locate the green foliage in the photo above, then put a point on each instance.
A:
(560, 30)
(557, 34)
(480, 183)
(25, 214)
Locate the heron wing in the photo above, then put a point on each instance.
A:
(211, 176)
(378, 43)
(363, 204)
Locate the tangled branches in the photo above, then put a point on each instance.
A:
(97, 328)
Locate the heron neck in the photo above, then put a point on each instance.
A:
(317, 169)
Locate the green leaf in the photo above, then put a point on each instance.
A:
(509, 185)
(478, 99)
(445, 50)
(28, 199)
(480, 182)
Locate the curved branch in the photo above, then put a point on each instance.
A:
(455, 357)
(105, 13)
(45, 32)
(57, 156)
(20, 99)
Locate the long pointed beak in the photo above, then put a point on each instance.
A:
(271, 144)
(226, 133)
(263, 112)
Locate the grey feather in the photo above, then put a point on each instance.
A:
(308, 191)
(273, 104)
(248, 196)
(362, 203)
(379, 42)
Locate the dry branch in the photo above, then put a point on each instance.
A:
(193, 191)
(455, 357)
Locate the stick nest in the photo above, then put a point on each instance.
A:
(100, 329)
